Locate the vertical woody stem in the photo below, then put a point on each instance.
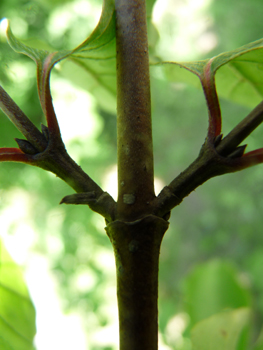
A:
(136, 235)
(135, 151)
(137, 246)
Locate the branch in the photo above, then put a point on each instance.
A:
(56, 159)
(47, 151)
(14, 155)
(21, 121)
(216, 158)
(104, 204)
(241, 131)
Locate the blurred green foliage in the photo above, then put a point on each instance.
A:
(222, 219)
(17, 313)
(226, 330)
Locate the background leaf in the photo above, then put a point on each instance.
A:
(227, 330)
(94, 60)
(17, 313)
(211, 288)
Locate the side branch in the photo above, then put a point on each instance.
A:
(104, 204)
(56, 159)
(216, 158)
(241, 131)
(21, 121)
(47, 151)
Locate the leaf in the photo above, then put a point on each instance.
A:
(17, 313)
(92, 65)
(212, 287)
(95, 58)
(259, 342)
(149, 6)
(239, 73)
(227, 330)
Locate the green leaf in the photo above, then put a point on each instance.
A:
(259, 342)
(17, 313)
(94, 60)
(239, 73)
(92, 65)
(149, 6)
(228, 330)
(212, 287)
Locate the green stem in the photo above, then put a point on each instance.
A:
(135, 150)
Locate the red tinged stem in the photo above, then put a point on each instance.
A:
(208, 83)
(45, 96)
(15, 155)
(252, 158)
(10, 150)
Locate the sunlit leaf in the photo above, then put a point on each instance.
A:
(92, 65)
(17, 313)
(94, 61)
(149, 6)
(227, 330)
(239, 73)
(95, 58)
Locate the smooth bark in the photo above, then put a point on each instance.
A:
(135, 234)
(134, 130)
(136, 247)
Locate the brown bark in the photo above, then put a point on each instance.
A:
(136, 235)
(136, 247)
(135, 151)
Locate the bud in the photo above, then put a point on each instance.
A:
(26, 147)
(238, 152)
(45, 131)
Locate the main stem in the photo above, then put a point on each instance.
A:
(134, 130)
(135, 234)
(136, 247)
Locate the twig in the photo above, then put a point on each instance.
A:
(21, 121)
(241, 131)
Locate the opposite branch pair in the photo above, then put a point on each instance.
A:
(46, 150)
(217, 156)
